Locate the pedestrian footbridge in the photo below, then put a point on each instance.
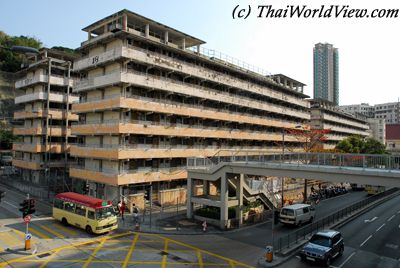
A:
(229, 172)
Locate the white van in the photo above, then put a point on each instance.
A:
(297, 214)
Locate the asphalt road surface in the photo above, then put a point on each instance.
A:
(371, 240)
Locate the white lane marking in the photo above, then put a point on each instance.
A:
(398, 212)
(14, 206)
(298, 257)
(365, 241)
(380, 227)
(346, 260)
(371, 220)
(391, 218)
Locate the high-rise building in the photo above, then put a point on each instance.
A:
(42, 150)
(326, 73)
(150, 97)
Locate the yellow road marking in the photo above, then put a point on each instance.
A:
(64, 229)
(1, 249)
(9, 239)
(230, 262)
(21, 234)
(51, 231)
(200, 258)
(23, 259)
(204, 251)
(164, 257)
(49, 259)
(89, 260)
(128, 256)
(36, 232)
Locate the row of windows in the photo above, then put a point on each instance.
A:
(74, 208)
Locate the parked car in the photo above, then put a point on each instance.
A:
(297, 214)
(323, 247)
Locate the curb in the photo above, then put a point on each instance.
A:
(281, 258)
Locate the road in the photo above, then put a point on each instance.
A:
(371, 240)
(54, 243)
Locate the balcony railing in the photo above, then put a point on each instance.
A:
(202, 92)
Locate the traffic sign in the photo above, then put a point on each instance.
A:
(27, 218)
(28, 236)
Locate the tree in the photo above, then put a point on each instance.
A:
(9, 61)
(360, 145)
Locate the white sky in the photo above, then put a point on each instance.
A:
(368, 48)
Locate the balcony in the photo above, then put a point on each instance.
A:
(41, 78)
(149, 81)
(25, 164)
(56, 148)
(144, 151)
(344, 121)
(349, 130)
(59, 114)
(177, 130)
(53, 131)
(162, 61)
(127, 177)
(54, 97)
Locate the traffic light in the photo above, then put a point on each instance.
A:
(31, 207)
(24, 207)
(27, 207)
(85, 188)
(2, 194)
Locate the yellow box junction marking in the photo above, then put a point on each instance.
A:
(102, 240)
(36, 232)
(128, 256)
(89, 260)
(64, 229)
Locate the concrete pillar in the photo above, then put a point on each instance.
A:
(224, 201)
(89, 35)
(105, 28)
(206, 188)
(166, 37)
(239, 195)
(184, 44)
(198, 49)
(147, 30)
(189, 193)
(124, 22)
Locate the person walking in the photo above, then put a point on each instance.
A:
(123, 206)
(135, 213)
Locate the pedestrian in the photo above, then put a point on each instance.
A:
(123, 206)
(204, 226)
(135, 213)
(119, 208)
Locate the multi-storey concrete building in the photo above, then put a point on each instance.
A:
(326, 116)
(388, 111)
(42, 153)
(149, 99)
(363, 108)
(326, 73)
(377, 129)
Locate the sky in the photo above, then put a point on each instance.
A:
(368, 47)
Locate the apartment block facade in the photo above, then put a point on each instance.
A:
(389, 111)
(42, 152)
(324, 115)
(149, 99)
(326, 73)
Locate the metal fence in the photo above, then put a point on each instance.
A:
(388, 162)
(284, 242)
